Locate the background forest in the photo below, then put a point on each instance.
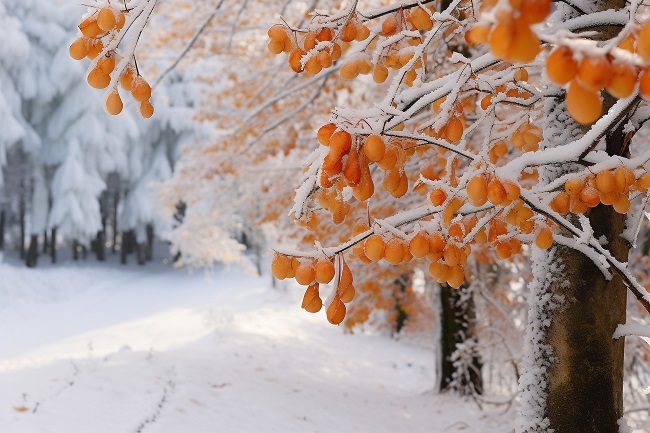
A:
(462, 186)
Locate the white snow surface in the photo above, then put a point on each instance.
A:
(110, 349)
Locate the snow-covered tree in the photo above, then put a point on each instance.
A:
(502, 125)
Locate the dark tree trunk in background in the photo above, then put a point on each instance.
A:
(116, 201)
(123, 254)
(150, 238)
(21, 210)
(75, 250)
(402, 315)
(2, 229)
(31, 259)
(127, 247)
(457, 322)
(53, 245)
(46, 243)
(141, 252)
(130, 244)
(99, 245)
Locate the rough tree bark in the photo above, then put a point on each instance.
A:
(586, 379)
(574, 314)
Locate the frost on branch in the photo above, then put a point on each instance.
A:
(538, 353)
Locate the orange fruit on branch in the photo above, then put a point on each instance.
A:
(623, 80)
(311, 301)
(584, 105)
(561, 66)
(146, 109)
(477, 190)
(324, 271)
(374, 148)
(79, 48)
(594, 73)
(336, 311)
(106, 19)
(280, 266)
(141, 90)
(305, 274)
(374, 247)
(114, 104)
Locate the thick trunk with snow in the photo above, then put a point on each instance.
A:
(573, 368)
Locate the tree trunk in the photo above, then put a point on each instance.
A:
(402, 314)
(573, 366)
(31, 259)
(22, 220)
(116, 200)
(75, 250)
(46, 242)
(586, 381)
(150, 238)
(141, 250)
(458, 341)
(99, 245)
(2, 229)
(53, 247)
(127, 246)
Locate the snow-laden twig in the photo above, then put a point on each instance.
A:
(189, 45)
(570, 152)
(637, 329)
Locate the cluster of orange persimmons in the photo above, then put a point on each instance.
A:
(355, 171)
(587, 77)
(108, 22)
(448, 247)
(511, 37)
(609, 187)
(511, 221)
(315, 50)
(309, 272)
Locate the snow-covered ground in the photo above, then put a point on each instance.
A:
(108, 349)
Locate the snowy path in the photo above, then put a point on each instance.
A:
(110, 350)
